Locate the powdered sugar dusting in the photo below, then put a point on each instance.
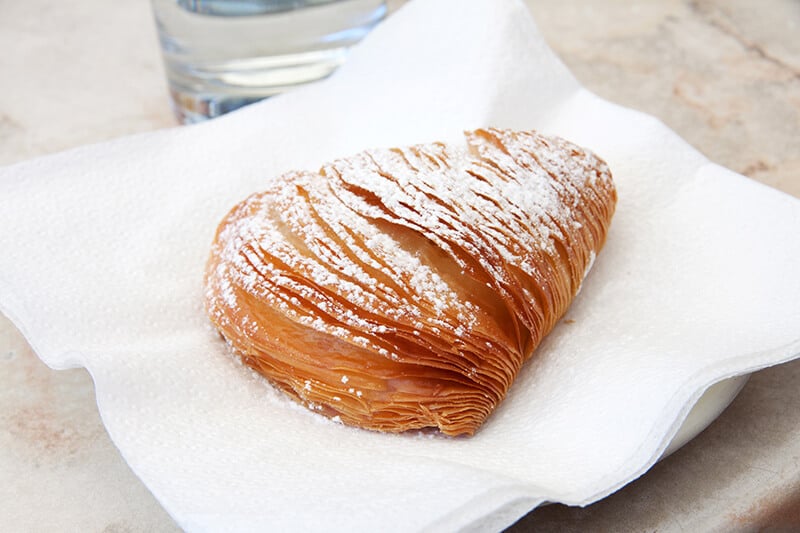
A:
(439, 256)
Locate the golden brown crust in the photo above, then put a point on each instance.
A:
(404, 288)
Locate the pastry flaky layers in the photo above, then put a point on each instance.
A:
(404, 288)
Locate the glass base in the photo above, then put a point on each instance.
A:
(190, 108)
(202, 92)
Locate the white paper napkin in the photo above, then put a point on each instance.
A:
(103, 250)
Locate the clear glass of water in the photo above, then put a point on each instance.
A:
(222, 54)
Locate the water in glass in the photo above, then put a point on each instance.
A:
(222, 54)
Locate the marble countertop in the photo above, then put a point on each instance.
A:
(724, 74)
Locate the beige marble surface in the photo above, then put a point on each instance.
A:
(724, 74)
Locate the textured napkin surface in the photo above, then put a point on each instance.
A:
(103, 250)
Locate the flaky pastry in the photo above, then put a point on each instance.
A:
(404, 288)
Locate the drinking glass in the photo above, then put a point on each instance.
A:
(222, 54)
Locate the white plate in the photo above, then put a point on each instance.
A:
(710, 405)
